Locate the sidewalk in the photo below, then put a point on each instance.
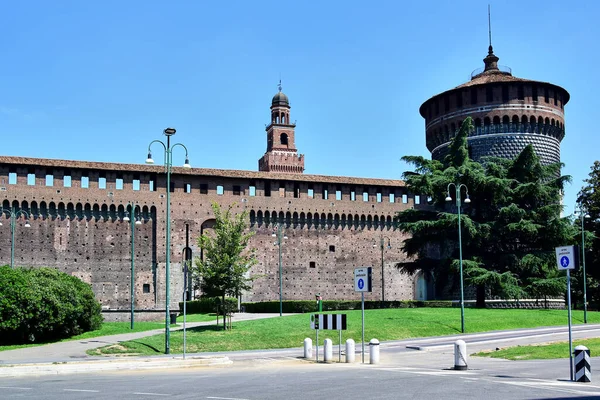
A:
(71, 357)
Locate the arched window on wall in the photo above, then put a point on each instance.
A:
(515, 119)
(284, 139)
(486, 121)
(496, 120)
(505, 120)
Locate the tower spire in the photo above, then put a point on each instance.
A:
(279, 85)
(490, 49)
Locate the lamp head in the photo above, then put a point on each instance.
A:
(448, 198)
(27, 224)
(0, 223)
(138, 222)
(149, 160)
(587, 216)
(126, 218)
(467, 200)
(285, 236)
(187, 163)
(169, 131)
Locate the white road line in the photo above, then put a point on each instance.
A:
(226, 398)
(151, 394)
(570, 384)
(81, 390)
(15, 387)
(427, 371)
(543, 385)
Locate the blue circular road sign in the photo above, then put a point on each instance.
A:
(361, 283)
(564, 261)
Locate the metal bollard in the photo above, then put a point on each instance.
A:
(350, 351)
(328, 350)
(308, 348)
(460, 355)
(374, 351)
(583, 370)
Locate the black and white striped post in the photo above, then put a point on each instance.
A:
(328, 322)
(583, 370)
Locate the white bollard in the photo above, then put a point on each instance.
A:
(374, 351)
(460, 355)
(350, 351)
(328, 350)
(583, 370)
(308, 348)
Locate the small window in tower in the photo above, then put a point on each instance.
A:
(504, 93)
(296, 190)
(282, 189)
(325, 193)
(31, 178)
(136, 184)
(252, 189)
(284, 139)
(554, 98)
(404, 198)
(312, 264)
(473, 95)
(118, 183)
(417, 199)
(12, 178)
(379, 197)
(459, 100)
(237, 189)
(332, 249)
(489, 94)
(220, 190)
(546, 95)
(534, 93)
(338, 194)
(365, 196)
(267, 189)
(146, 288)
(67, 179)
(187, 188)
(520, 92)
(85, 182)
(392, 198)
(152, 184)
(353, 194)
(204, 188)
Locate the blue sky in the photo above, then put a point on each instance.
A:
(98, 81)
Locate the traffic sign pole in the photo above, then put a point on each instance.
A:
(569, 314)
(363, 325)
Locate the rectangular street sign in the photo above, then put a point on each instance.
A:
(567, 257)
(362, 279)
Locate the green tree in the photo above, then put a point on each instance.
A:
(509, 229)
(589, 200)
(223, 270)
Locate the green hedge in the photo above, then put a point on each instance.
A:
(44, 304)
(208, 305)
(304, 306)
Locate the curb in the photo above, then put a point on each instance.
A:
(83, 367)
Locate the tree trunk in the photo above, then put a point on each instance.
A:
(480, 299)
(224, 314)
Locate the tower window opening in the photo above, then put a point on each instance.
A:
(505, 93)
(496, 120)
(505, 120)
(459, 102)
(489, 94)
(204, 188)
(237, 190)
(31, 178)
(267, 189)
(486, 121)
(520, 92)
(473, 95)
(284, 139)
(534, 93)
(546, 95)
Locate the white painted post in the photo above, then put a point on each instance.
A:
(350, 351)
(374, 351)
(460, 355)
(308, 348)
(328, 350)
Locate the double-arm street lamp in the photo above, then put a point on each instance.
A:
(134, 221)
(383, 246)
(457, 189)
(13, 215)
(168, 163)
(278, 233)
(582, 216)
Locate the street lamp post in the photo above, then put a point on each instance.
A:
(168, 163)
(582, 216)
(460, 259)
(280, 236)
(134, 221)
(13, 221)
(381, 246)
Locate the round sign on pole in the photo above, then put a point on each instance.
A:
(361, 283)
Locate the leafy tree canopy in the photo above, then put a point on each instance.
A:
(509, 229)
(226, 261)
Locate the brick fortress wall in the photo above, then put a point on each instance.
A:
(333, 225)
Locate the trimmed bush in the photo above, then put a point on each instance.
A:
(44, 304)
(208, 305)
(304, 306)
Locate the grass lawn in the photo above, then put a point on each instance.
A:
(543, 351)
(388, 324)
(116, 328)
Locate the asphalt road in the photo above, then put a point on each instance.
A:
(292, 379)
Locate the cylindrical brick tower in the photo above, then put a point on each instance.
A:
(508, 113)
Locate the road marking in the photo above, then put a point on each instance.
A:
(552, 383)
(226, 398)
(81, 390)
(551, 386)
(15, 387)
(427, 371)
(151, 394)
